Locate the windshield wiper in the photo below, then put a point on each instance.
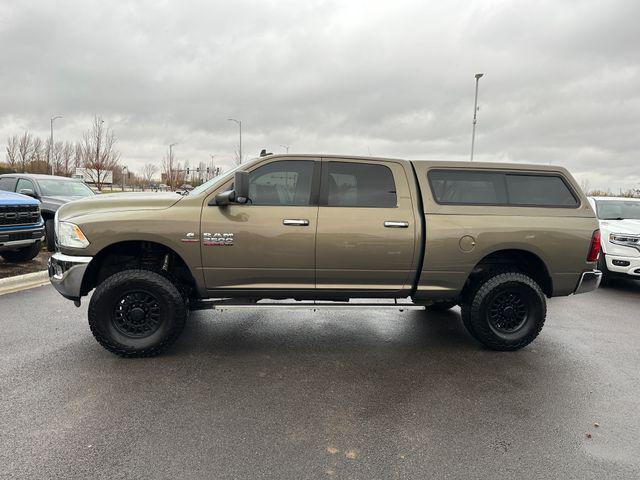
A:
(616, 218)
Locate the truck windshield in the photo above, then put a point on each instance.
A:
(64, 188)
(208, 183)
(618, 209)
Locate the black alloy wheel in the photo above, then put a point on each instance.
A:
(504, 310)
(507, 311)
(137, 314)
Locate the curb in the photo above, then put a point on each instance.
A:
(23, 282)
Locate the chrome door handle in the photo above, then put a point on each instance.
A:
(295, 222)
(394, 224)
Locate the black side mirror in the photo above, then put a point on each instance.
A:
(241, 186)
(239, 193)
(28, 192)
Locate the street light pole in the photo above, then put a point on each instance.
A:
(475, 114)
(239, 122)
(286, 147)
(170, 172)
(98, 140)
(51, 142)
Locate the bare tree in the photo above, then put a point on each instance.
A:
(77, 156)
(55, 157)
(236, 157)
(25, 151)
(65, 166)
(170, 170)
(148, 172)
(99, 154)
(38, 162)
(12, 152)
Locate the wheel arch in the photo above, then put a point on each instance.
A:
(524, 260)
(143, 254)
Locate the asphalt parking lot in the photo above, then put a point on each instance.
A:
(336, 394)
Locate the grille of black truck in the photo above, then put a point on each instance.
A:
(19, 215)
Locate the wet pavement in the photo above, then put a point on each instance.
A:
(362, 394)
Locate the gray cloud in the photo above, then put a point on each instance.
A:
(393, 78)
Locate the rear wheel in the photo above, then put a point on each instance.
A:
(505, 310)
(24, 254)
(606, 274)
(137, 313)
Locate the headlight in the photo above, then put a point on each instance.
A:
(625, 240)
(69, 235)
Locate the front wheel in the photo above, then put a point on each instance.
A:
(505, 311)
(137, 313)
(50, 235)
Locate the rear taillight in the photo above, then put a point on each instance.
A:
(594, 248)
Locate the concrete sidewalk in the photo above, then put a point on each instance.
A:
(23, 282)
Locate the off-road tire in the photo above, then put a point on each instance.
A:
(50, 235)
(24, 254)
(480, 310)
(606, 273)
(441, 306)
(168, 304)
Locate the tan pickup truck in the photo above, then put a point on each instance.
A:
(322, 231)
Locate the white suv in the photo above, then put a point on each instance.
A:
(620, 231)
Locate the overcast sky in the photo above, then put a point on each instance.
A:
(390, 78)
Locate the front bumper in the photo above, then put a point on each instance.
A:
(622, 265)
(66, 273)
(589, 281)
(20, 238)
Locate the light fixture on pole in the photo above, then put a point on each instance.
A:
(239, 122)
(51, 143)
(475, 114)
(286, 147)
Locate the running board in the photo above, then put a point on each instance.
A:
(228, 304)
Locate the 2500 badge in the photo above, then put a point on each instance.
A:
(217, 239)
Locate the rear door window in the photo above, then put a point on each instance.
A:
(350, 184)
